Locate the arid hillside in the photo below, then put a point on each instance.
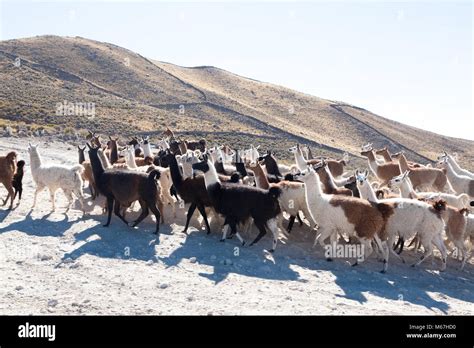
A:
(135, 95)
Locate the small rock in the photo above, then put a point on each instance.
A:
(190, 298)
(52, 303)
(228, 262)
(213, 257)
(163, 286)
(68, 260)
(192, 260)
(149, 262)
(75, 265)
(19, 287)
(45, 257)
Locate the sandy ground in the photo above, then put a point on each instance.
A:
(64, 263)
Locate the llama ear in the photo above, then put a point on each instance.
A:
(90, 147)
(366, 173)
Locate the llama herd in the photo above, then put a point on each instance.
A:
(429, 205)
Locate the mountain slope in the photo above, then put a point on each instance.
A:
(133, 94)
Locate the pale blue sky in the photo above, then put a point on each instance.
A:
(408, 61)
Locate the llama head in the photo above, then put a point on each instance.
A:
(20, 164)
(367, 147)
(306, 175)
(398, 155)
(11, 157)
(294, 149)
(361, 178)
(397, 181)
(32, 148)
(202, 166)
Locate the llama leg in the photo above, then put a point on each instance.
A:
(117, 212)
(273, 227)
(70, 199)
(381, 245)
(161, 209)
(262, 231)
(299, 218)
(143, 214)
(110, 207)
(38, 189)
(191, 210)
(202, 210)
(438, 242)
(225, 229)
(52, 194)
(428, 252)
(462, 251)
(11, 193)
(156, 212)
(80, 195)
(290, 223)
(6, 199)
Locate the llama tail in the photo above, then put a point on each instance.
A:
(274, 192)
(464, 198)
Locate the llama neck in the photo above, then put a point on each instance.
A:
(210, 177)
(260, 177)
(176, 175)
(82, 158)
(371, 196)
(240, 166)
(367, 192)
(147, 150)
(131, 159)
(450, 173)
(453, 163)
(103, 159)
(402, 162)
(35, 159)
(187, 169)
(406, 189)
(373, 165)
(272, 166)
(330, 178)
(386, 156)
(314, 195)
(96, 164)
(113, 152)
(299, 159)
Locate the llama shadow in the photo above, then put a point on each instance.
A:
(42, 226)
(398, 282)
(231, 257)
(118, 241)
